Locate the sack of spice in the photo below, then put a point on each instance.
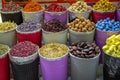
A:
(102, 10)
(8, 33)
(54, 28)
(104, 29)
(79, 9)
(4, 49)
(24, 61)
(117, 16)
(56, 11)
(81, 29)
(23, 53)
(111, 65)
(34, 11)
(84, 58)
(12, 12)
(29, 30)
(4, 61)
(54, 61)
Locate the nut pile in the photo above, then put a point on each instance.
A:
(84, 49)
(12, 6)
(28, 26)
(81, 25)
(112, 46)
(7, 26)
(32, 7)
(53, 50)
(3, 49)
(55, 8)
(80, 6)
(104, 5)
(108, 25)
(54, 25)
(23, 49)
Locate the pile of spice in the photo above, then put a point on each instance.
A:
(3, 49)
(11, 7)
(32, 7)
(55, 8)
(23, 49)
(104, 5)
(54, 25)
(81, 25)
(84, 49)
(112, 46)
(80, 6)
(7, 26)
(53, 50)
(108, 25)
(28, 26)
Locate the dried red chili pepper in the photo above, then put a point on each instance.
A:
(55, 8)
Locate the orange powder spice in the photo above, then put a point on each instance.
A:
(32, 7)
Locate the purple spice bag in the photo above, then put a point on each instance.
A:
(101, 37)
(117, 15)
(61, 16)
(54, 69)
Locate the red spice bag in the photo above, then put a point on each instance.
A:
(97, 15)
(4, 66)
(29, 30)
(35, 37)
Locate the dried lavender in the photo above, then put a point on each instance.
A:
(28, 26)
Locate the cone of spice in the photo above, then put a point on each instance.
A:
(12, 12)
(34, 11)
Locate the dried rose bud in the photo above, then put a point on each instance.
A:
(23, 49)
